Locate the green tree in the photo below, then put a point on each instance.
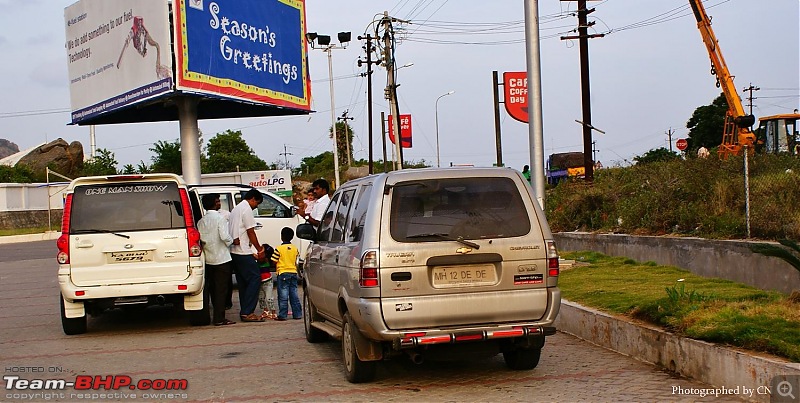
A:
(707, 123)
(318, 164)
(128, 169)
(16, 174)
(656, 155)
(167, 157)
(228, 152)
(104, 163)
(344, 140)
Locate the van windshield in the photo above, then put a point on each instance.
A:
(121, 207)
(465, 208)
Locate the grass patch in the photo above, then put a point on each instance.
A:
(24, 231)
(710, 309)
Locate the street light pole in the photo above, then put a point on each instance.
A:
(438, 162)
(325, 40)
(333, 119)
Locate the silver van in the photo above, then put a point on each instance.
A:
(126, 241)
(427, 261)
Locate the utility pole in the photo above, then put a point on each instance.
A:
(286, 155)
(498, 143)
(369, 49)
(344, 119)
(750, 98)
(391, 86)
(669, 134)
(583, 40)
(383, 138)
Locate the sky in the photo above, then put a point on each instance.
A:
(648, 74)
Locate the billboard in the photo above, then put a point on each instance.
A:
(243, 50)
(118, 54)
(515, 90)
(405, 130)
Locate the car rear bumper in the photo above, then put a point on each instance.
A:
(192, 285)
(366, 313)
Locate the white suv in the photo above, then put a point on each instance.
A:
(271, 215)
(129, 241)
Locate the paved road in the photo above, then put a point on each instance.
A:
(272, 361)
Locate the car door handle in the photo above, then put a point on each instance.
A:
(259, 225)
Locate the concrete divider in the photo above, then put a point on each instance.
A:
(715, 365)
(50, 235)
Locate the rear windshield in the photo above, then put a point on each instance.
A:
(470, 208)
(126, 207)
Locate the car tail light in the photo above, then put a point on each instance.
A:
(63, 240)
(192, 234)
(368, 274)
(552, 259)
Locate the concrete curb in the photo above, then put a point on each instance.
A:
(702, 361)
(47, 236)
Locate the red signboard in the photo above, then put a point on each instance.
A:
(515, 90)
(682, 144)
(405, 130)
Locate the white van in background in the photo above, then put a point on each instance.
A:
(129, 240)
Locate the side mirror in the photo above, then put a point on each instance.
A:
(306, 231)
(294, 211)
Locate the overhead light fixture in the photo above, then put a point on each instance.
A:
(344, 37)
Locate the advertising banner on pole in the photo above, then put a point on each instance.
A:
(515, 90)
(251, 50)
(118, 54)
(405, 130)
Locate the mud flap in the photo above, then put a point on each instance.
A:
(193, 302)
(73, 309)
(366, 349)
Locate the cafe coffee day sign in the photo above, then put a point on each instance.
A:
(515, 89)
(251, 50)
(118, 54)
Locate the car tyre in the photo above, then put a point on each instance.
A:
(201, 317)
(71, 325)
(357, 371)
(522, 359)
(313, 335)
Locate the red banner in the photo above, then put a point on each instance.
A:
(405, 130)
(515, 90)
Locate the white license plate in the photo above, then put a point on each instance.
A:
(130, 257)
(464, 276)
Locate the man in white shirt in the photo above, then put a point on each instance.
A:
(321, 188)
(245, 244)
(216, 239)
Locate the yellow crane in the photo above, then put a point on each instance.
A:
(737, 133)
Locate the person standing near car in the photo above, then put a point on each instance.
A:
(214, 233)
(321, 188)
(285, 258)
(244, 252)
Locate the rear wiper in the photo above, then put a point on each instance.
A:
(104, 231)
(447, 237)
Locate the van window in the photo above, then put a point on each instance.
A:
(341, 216)
(126, 207)
(472, 208)
(326, 226)
(359, 215)
(270, 207)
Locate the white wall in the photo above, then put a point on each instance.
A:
(31, 196)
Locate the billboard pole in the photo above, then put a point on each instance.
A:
(190, 139)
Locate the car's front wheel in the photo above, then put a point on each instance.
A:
(357, 371)
(71, 325)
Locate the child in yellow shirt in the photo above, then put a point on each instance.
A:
(285, 258)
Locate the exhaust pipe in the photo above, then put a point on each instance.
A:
(161, 300)
(415, 357)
